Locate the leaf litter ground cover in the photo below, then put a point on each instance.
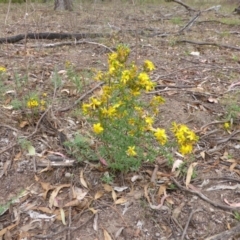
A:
(53, 190)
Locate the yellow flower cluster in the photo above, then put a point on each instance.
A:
(32, 103)
(123, 83)
(185, 138)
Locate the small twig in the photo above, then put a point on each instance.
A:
(50, 236)
(187, 224)
(81, 98)
(59, 44)
(184, 5)
(208, 43)
(9, 6)
(228, 138)
(38, 123)
(199, 194)
(189, 24)
(208, 124)
(213, 8)
(167, 89)
(6, 126)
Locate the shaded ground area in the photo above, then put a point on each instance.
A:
(51, 195)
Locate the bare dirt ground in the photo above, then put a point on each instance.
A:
(197, 71)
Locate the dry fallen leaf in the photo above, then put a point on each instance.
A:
(17, 156)
(212, 100)
(114, 195)
(120, 189)
(23, 124)
(202, 154)
(62, 216)
(95, 222)
(106, 235)
(107, 187)
(189, 173)
(176, 164)
(82, 180)
(79, 193)
(94, 211)
(146, 193)
(232, 204)
(5, 168)
(176, 211)
(55, 193)
(120, 201)
(72, 203)
(162, 190)
(136, 177)
(98, 195)
(4, 230)
(46, 186)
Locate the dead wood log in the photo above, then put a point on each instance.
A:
(51, 36)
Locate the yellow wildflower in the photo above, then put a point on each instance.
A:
(86, 107)
(2, 69)
(97, 128)
(122, 53)
(112, 57)
(32, 103)
(143, 78)
(160, 135)
(135, 92)
(156, 100)
(94, 102)
(126, 76)
(226, 125)
(42, 102)
(131, 151)
(149, 86)
(148, 66)
(149, 120)
(131, 121)
(68, 64)
(99, 76)
(145, 82)
(186, 149)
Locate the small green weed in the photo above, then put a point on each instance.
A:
(233, 111)
(236, 215)
(16, 104)
(107, 178)
(81, 148)
(176, 21)
(230, 21)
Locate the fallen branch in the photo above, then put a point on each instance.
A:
(226, 234)
(209, 43)
(189, 24)
(187, 224)
(70, 43)
(51, 36)
(199, 194)
(184, 5)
